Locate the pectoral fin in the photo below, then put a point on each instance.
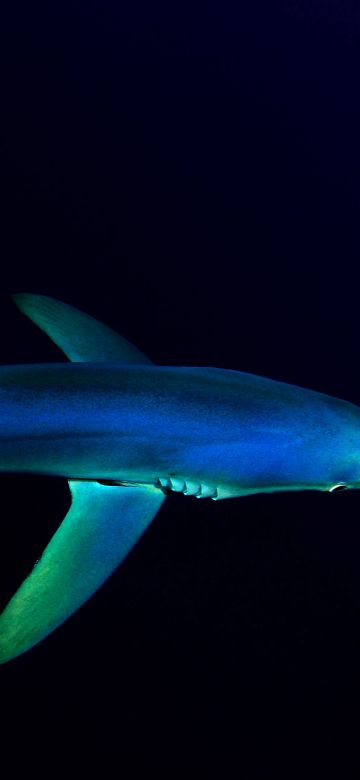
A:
(81, 337)
(101, 527)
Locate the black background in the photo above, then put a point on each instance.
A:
(190, 176)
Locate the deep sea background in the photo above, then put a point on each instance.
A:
(189, 173)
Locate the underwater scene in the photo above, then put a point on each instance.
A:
(180, 388)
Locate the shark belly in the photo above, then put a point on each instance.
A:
(187, 427)
(62, 420)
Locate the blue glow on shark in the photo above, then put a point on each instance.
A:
(125, 433)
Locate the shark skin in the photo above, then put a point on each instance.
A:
(125, 433)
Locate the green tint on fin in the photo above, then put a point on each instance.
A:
(81, 337)
(101, 527)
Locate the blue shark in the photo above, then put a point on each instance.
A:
(125, 433)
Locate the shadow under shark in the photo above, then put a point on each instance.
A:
(125, 432)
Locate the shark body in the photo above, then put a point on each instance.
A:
(125, 432)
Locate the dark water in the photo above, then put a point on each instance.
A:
(190, 175)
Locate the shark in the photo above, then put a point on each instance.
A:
(126, 433)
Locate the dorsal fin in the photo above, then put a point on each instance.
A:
(81, 337)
